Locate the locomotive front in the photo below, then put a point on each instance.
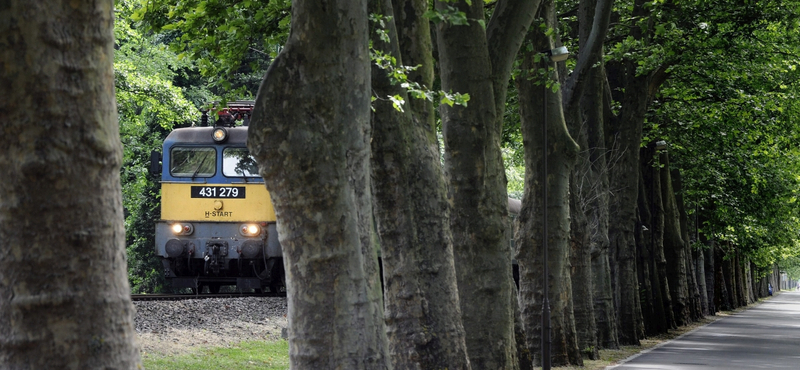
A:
(217, 223)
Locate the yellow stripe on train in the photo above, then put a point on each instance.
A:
(215, 202)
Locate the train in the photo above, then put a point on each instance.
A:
(217, 226)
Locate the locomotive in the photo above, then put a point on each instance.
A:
(217, 226)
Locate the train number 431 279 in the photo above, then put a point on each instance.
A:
(218, 192)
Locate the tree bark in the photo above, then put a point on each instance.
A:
(63, 284)
(581, 274)
(423, 315)
(585, 181)
(479, 62)
(709, 246)
(697, 257)
(695, 305)
(562, 153)
(754, 283)
(634, 90)
(625, 135)
(597, 212)
(644, 243)
(741, 280)
(725, 292)
(661, 317)
(309, 134)
(700, 276)
(674, 247)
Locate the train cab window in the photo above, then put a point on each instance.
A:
(237, 162)
(193, 161)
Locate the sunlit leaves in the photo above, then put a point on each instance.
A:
(398, 74)
(729, 114)
(232, 41)
(149, 104)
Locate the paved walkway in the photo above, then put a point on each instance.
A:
(766, 336)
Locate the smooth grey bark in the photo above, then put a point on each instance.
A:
(478, 62)
(309, 134)
(422, 307)
(64, 294)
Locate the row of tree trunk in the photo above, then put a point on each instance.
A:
(621, 261)
(637, 264)
(676, 272)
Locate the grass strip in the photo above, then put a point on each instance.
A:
(244, 355)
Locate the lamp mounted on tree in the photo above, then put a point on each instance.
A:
(558, 54)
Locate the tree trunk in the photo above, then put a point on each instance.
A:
(622, 209)
(63, 284)
(723, 281)
(561, 156)
(597, 209)
(634, 90)
(700, 277)
(423, 315)
(523, 352)
(709, 264)
(698, 250)
(478, 62)
(585, 88)
(662, 318)
(755, 282)
(581, 269)
(741, 282)
(695, 305)
(309, 134)
(644, 257)
(674, 247)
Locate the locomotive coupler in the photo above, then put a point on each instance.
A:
(216, 251)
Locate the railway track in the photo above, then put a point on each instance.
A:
(178, 297)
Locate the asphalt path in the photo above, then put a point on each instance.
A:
(766, 336)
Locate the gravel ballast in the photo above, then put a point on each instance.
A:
(175, 327)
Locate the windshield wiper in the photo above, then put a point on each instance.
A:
(196, 171)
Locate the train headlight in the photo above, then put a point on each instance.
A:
(219, 135)
(182, 228)
(250, 229)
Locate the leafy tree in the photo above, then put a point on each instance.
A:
(729, 115)
(232, 42)
(149, 106)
